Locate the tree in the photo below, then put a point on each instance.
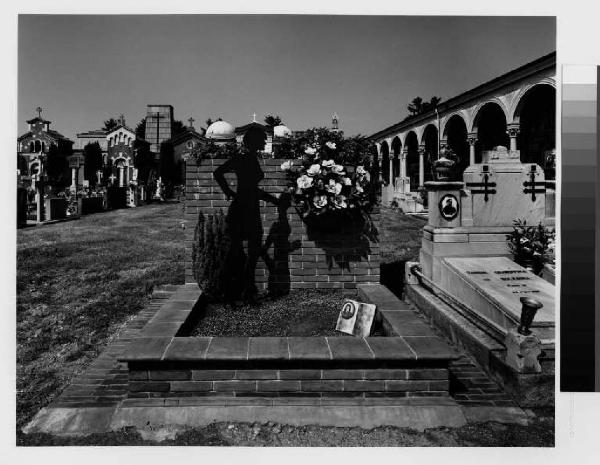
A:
(143, 160)
(92, 155)
(273, 121)
(57, 165)
(177, 127)
(419, 106)
(110, 124)
(140, 129)
(167, 168)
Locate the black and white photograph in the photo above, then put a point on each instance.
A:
(300, 233)
(286, 230)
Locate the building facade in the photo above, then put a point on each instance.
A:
(516, 110)
(34, 145)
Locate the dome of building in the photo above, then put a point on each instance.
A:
(282, 131)
(220, 130)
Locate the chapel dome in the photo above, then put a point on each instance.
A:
(220, 130)
(282, 131)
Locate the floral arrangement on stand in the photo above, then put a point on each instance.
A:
(329, 177)
(531, 246)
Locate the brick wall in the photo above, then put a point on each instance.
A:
(334, 261)
(366, 382)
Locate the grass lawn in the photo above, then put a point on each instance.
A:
(400, 235)
(78, 282)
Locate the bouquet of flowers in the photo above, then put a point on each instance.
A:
(321, 185)
(531, 246)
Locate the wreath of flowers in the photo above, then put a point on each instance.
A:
(321, 185)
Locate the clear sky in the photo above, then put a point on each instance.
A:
(85, 69)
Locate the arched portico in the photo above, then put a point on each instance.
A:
(396, 151)
(429, 154)
(535, 119)
(385, 162)
(411, 150)
(456, 136)
(490, 126)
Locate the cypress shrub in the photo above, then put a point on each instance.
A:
(209, 254)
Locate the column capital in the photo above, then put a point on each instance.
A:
(421, 150)
(513, 129)
(472, 138)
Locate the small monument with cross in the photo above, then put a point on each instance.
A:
(471, 218)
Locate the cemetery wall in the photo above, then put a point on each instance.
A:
(340, 259)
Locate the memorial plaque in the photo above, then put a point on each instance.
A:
(356, 318)
(492, 287)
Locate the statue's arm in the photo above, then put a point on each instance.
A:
(219, 175)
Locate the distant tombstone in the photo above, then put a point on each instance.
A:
(86, 183)
(356, 318)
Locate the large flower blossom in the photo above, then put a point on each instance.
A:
(334, 187)
(304, 181)
(347, 181)
(287, 165)
(331, 145)
(340, 202)
(328, 163)
(337, 169)
(360, 170)
(314, 170)
(310, 151)
(320, 201)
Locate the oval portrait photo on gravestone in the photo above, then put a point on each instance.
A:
(448, 207)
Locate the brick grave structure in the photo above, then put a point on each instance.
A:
(338, 260)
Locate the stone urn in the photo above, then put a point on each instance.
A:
(443, 167)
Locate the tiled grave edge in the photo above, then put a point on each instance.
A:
(162, 363)
(469, 384)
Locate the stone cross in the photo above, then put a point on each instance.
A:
(191, 121)
(112, 178)
(39, 110)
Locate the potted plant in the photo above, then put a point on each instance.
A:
(531, 246)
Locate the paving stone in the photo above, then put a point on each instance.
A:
(172, 316)
(390, 348)
(343, 374)
(147, 348)
(308, 348)
(268, 348)
(323, 385)
(300, 374)
(430, 348)
(161, 329)
(213, 375)
(187, 348)
(186, 305)
(362, 386)
(228, 348)
(349, 348)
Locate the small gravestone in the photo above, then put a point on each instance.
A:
(493, 286)
(356, 318)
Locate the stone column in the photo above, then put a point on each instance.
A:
(421, 165)
(392, 177)
(513, 131)
(73, 178)
(403, 174)
(472, 139)
(443, 146)
(121, 176)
